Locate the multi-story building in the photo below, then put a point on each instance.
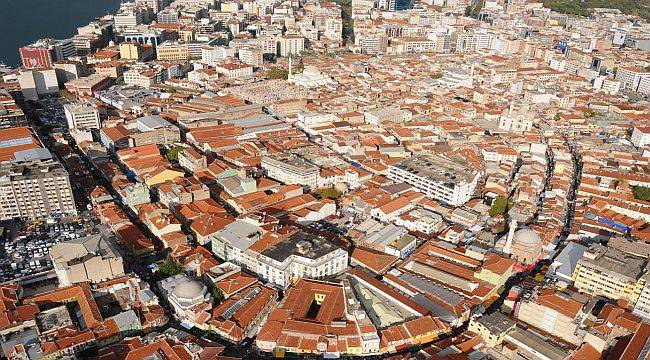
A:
(640, 136)
(82, 116)
(153, 129)
(11, 115)
(190, 160)
(609, 272)
(292, 170)
(251, 57)
(555, 313)
(450, 180)
(172, 51)
(129, 17)
(302, 255)
(631, 77)
(291, 44)
(35, 189)
(45, 52)
(642, 306)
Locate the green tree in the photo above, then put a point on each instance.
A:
(217, 294)
(500, 206)
(641, 192)
(328, 193)
(557, 117)
(590, 114)
(172, 154)
(277, 73)
(169, 268)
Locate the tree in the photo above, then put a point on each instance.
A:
(557, 117)
(500, 206)
(169, 268)
(217, 294)
(172, 154)
(591, 113)
(328, 193)
(641, 192)
(277, 73)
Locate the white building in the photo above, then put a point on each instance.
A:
(291, 44)
(293, 170)
(631, 77)
(252, 57)
(519, 120)
(640, 136)
(449, 180)
(82, 117)
(302, 255)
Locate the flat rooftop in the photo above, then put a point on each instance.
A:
(438, 168)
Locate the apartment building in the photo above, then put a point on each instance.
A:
(252, 57)
(35, 189)
(609, 272)
(292, 170)
(450, 180)
(11, 115)
(640, 136)
(82, 116)
(631, 77)
(291, 44)
(172, 51)
(190, 160)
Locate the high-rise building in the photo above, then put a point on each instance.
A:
(82, 117)
(34, 186)
(43, 53)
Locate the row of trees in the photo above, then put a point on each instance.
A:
(585, 7)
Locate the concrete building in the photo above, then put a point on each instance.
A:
(302, 255)
(38, 82)
(451, 180)
(293, 170)
(11, 115)
(610, 272)
(190, 160)
(93, 258)
(640, 136)
(35, 189)
(172, 51)
(555, 313)
(491, 328)
(631, 77)
(291, 44)
(82, 116)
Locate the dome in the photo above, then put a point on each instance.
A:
(526, 237)
(189, 290)
(310, 69)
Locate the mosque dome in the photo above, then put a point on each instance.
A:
(526, 237)
(189, 290)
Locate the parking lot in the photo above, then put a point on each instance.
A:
(25, 247)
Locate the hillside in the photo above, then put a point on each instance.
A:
(584, 7)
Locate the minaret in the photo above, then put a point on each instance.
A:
(290, 69)
(511, 235)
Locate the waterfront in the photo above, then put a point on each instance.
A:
(24, 21)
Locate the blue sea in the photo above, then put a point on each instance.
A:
(24, 21)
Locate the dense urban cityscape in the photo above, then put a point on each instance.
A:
(431, 179)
